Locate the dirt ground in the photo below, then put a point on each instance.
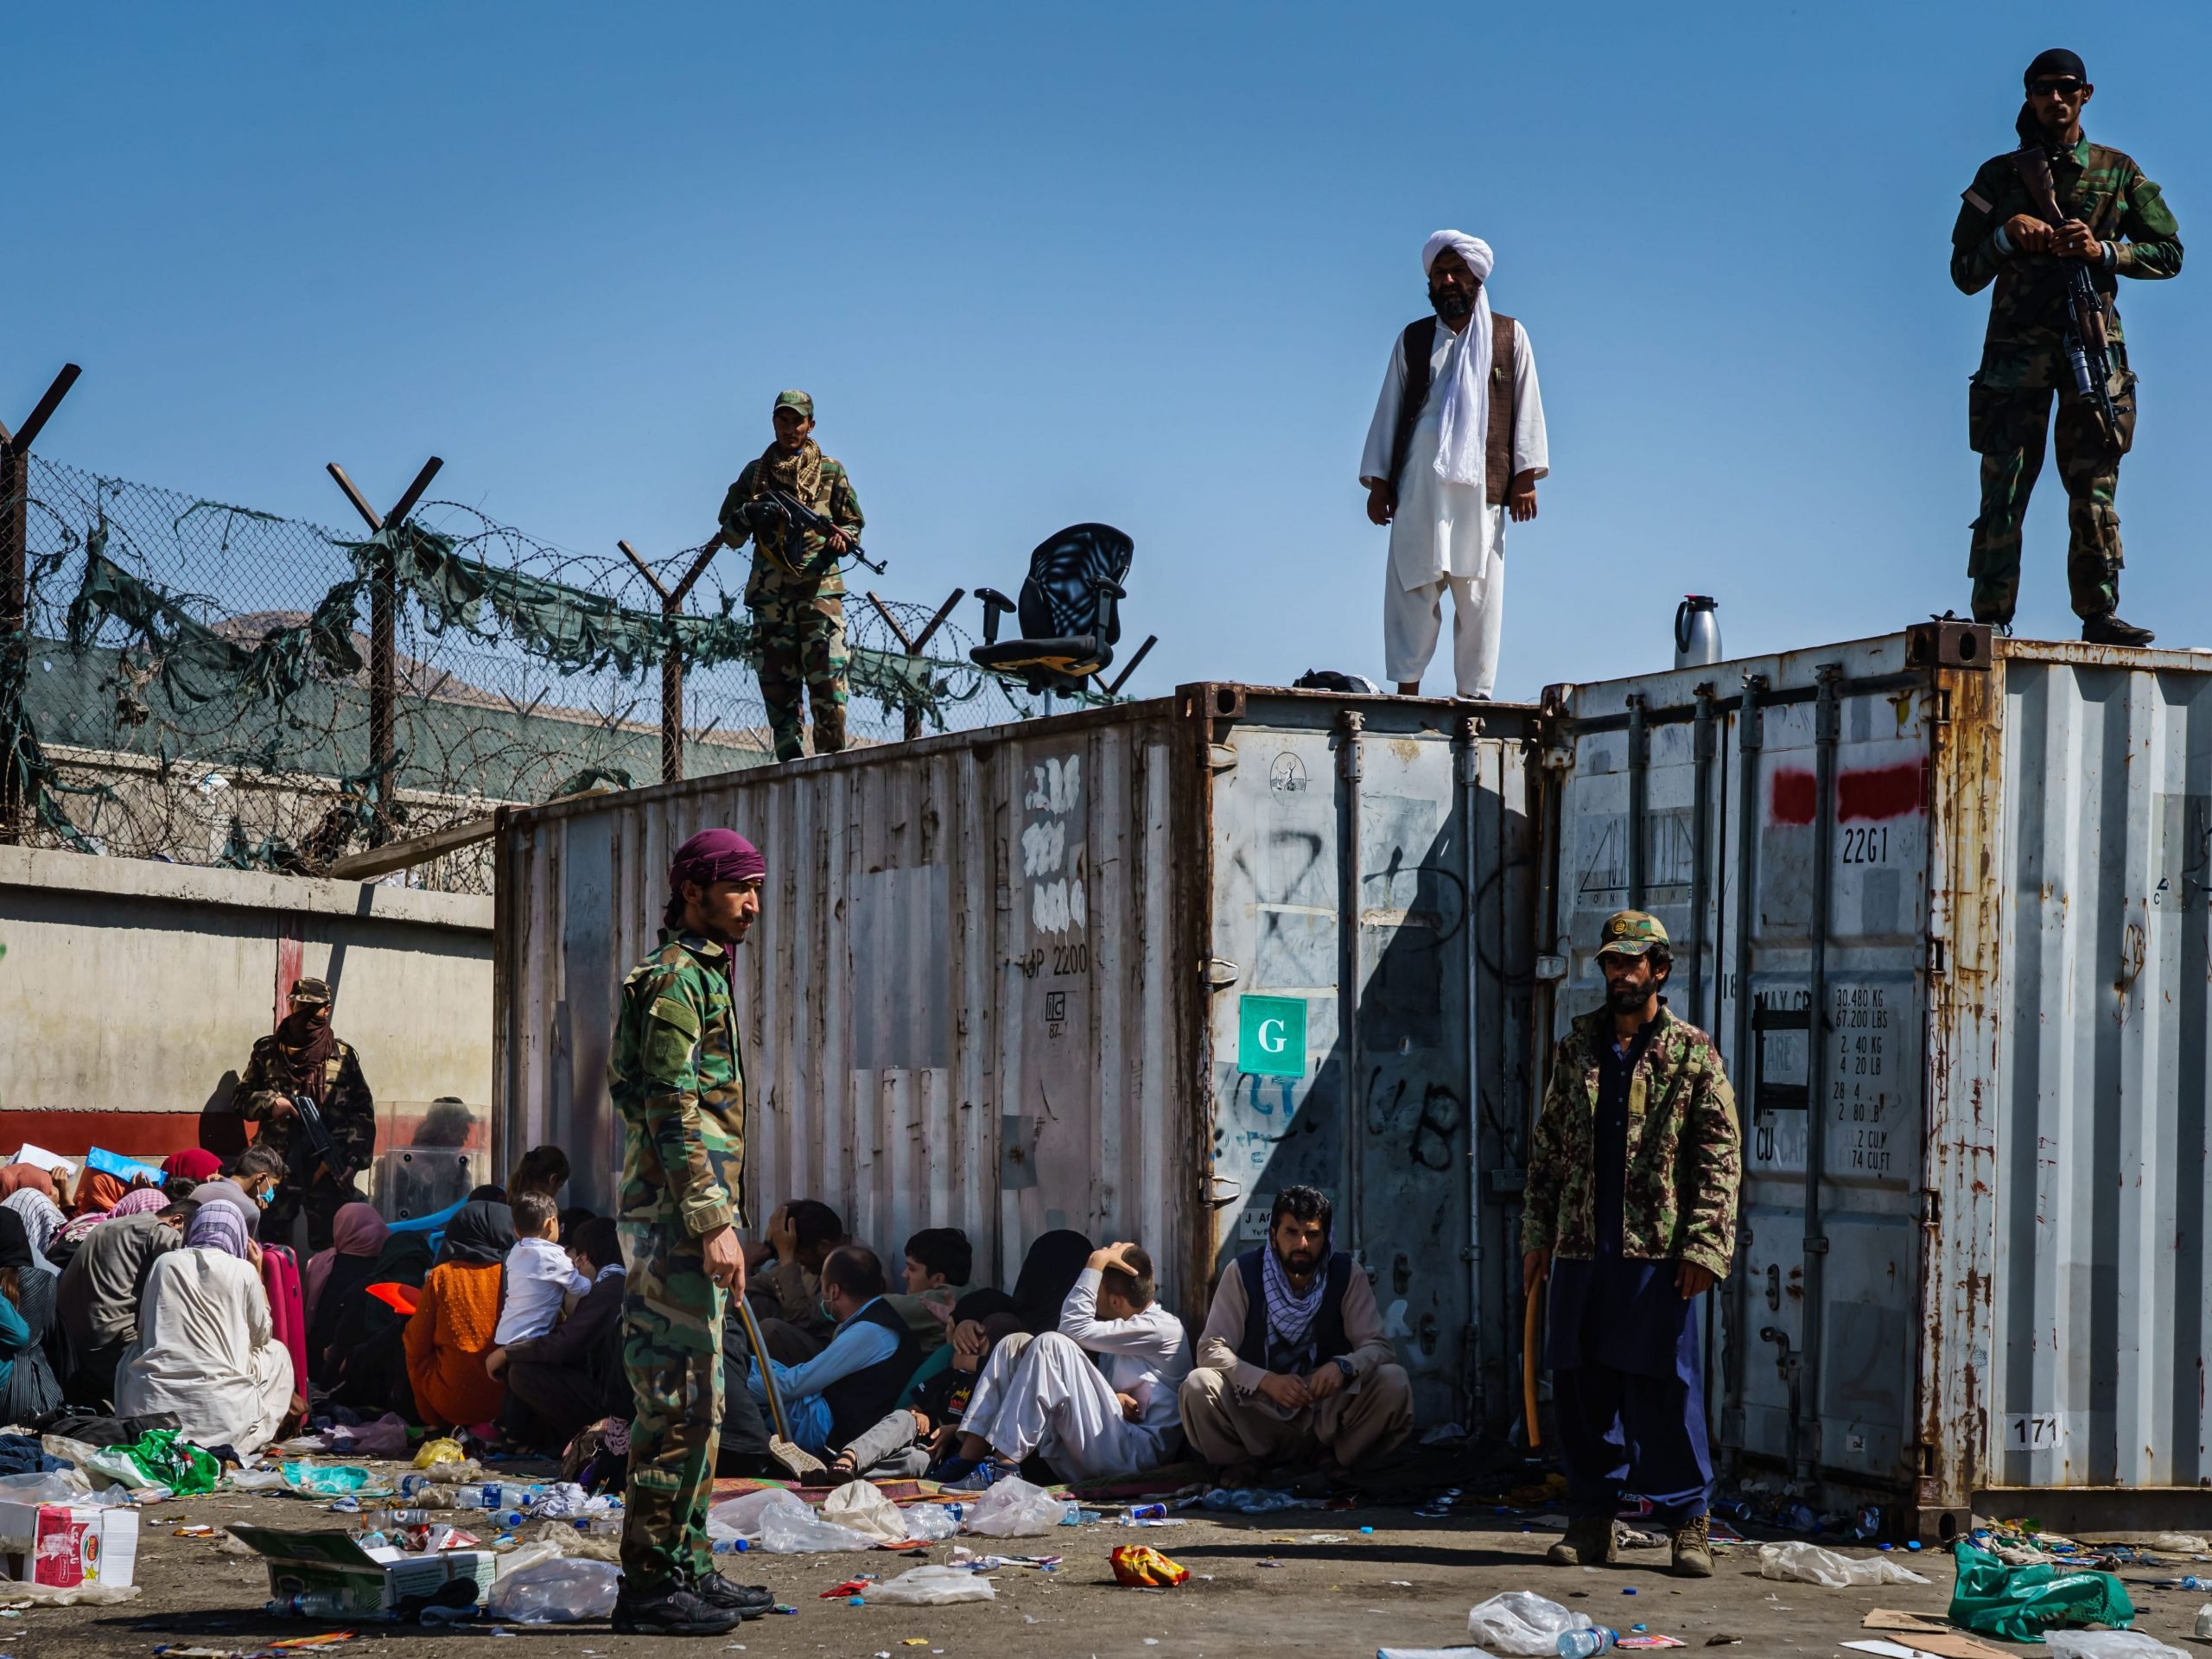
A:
(1257, 1587)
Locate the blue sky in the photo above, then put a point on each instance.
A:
(1141, 264)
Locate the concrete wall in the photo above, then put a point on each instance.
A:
(131, 991)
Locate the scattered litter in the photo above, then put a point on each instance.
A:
(2021, 1602)
(1141, 1564)
(1318, 1538)
(1805, 1563)
(1013, 1508)
(2181, 1543)
(555, 1592)
(1890, 1618)
(2204, 1622)
(860, 1505)
(968, 1563)
(1250, 1500)
(1267, 1563)
(933, 1587)
(1650, 1642)
(2109, 1644)
(1718, 1641)
(1521, 1622)
(431, 1453)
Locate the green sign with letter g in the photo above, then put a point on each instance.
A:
(1271, 1036)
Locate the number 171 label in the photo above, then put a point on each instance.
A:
(2035, 1432)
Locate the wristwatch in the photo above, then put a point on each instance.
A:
(1345, 1364)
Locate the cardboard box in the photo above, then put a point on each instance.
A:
(65, 1544)
(305, 1563)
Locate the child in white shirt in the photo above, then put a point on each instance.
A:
(540, 1275)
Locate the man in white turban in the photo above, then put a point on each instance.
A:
(1457, 443)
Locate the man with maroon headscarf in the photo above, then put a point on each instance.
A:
(304, 1057)
(678, 1077)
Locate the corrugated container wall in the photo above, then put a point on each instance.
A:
(1974, 1251)
(1056, 975)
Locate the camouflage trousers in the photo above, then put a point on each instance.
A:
(2007, 424)
(672, 1349)
(801, 636)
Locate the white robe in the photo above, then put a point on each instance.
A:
(203, 1351)
(1444, 530)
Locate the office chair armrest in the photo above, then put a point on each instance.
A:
(994, 603)
(1109, 594)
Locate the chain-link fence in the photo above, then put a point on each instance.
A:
(196, 681)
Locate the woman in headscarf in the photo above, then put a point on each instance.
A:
(16, 1177)
(367, 1368)
(1055, 1261)
(140, 1201)
(41, 1216)
(27, 1386)
(205, 1350)
(336, 1275)
(453, 1323)
(183, 1171)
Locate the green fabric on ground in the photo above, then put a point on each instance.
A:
(2021, 1602)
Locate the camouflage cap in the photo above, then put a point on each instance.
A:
(1630, 933)
(311, 990)
(797, 400)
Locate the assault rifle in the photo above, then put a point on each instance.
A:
(310, 1144)
(2088, 349)
(781, 506)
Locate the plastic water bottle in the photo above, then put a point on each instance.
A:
(1697, 632)
(2204, 1621)
(1580, 1644)
(315, 1604)
(407, 1517)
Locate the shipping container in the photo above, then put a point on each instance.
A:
(1129, 970)
(1943, 900)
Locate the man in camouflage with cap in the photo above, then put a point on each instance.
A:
(303, 1055)
(795, 593)
(2113, 220)
(676, 1075)
(1631, 1209)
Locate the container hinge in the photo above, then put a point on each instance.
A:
(1816, 1247)
(1931, 1207)
(1551, 965)
(1468, 1253)
(1220, 757)
(1221, 973)
(1559, 758)
(1221, 1192)
(1939, 956)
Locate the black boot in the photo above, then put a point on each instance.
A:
(670, 1611)
(2109, 630)
(748, 1600)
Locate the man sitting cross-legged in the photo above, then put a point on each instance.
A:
(1293, 1365)
(1090, 1418)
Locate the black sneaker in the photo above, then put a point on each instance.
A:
(2109, 630)
(749, 1600)
(675, 1610)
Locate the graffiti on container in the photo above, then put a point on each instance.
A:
(1441, 1114)
(1863, 795)
(1287, 775)
(1669, 852)
(1058, 903)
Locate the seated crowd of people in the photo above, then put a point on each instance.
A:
(500, 1318)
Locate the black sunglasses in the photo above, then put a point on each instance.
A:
(2065, 86)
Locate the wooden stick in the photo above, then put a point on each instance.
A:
(1529, 1362)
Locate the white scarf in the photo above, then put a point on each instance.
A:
(1462, 438)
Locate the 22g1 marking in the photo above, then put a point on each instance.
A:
(1868, 846)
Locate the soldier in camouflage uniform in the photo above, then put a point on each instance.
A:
(795, 593)
(1630, 1207)
(304, 1057)
(677, 1077)
(2117, 222)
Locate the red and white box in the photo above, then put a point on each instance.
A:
(66, 1544)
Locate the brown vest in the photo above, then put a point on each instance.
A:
(1418, 341)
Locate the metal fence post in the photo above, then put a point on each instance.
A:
(913, 646)
(671, 664)
(15, 584)
(383, 635)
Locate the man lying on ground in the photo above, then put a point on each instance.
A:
(1091, 1418)
(1293, 1365)
(852, 1385)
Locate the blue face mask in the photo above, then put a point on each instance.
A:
(827, 1312)
(263, 1196)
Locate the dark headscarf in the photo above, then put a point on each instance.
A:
(15, 1242)
(711, 855)
(1048, 1273)
(2056, 61)
(483, 1231)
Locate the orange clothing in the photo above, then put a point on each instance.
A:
(446, 1340)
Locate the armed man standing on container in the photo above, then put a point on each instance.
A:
(795, 593)
(2033, 221)
(677, 1077)
(1630, 1207)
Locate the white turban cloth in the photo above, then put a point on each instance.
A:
(1463, 436)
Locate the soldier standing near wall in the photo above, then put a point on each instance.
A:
(677, 1077)
(303, 1055)
(795, 593)
(2031, 221)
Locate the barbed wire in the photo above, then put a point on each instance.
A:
(194, 673)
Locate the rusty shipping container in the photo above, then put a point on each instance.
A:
(1129, 970)
(1943, 900)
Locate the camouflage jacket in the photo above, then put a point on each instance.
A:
(349, 1110)
(677, 1077)
(2100, 187)
(771, 564)
(1684, 1153)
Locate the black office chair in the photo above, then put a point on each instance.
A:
(1067, 613)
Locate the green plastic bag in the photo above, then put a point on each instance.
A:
(160, 1458)
(2021, 1602)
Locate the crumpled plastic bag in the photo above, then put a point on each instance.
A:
(53, 1486)
(863, 1507)
(2021, 1602)
(783, 1533)
(384, 1438)
(1523, 1622)
(741, 1517)
(562, 1501)
(555, 1593)
(433, 1452)
(2109, 1644)
(157, 1458)
(1800, 1562)
(933, 1587)
(254, 1480)
(2181, 1543)
(928, 1522)
(325, 1480)
(1015, 1508)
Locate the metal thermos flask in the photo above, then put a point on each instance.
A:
(1697, 632)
